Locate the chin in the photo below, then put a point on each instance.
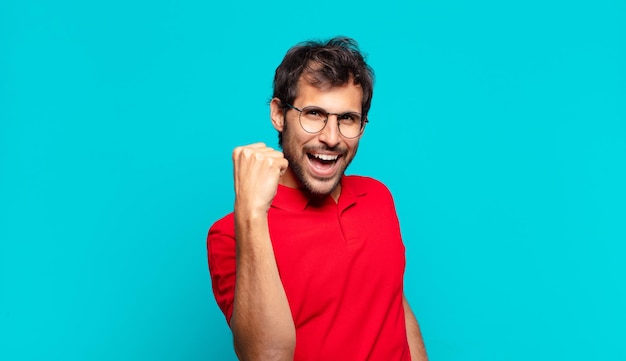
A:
(322, 188)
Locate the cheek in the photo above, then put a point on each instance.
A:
(291, 141)
(296, 138)
(353, 146)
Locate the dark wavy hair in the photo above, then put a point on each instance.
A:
(323, 64)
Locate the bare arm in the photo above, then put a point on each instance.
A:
(413, 333)
(261, 323)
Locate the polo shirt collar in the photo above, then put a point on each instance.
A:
(290, 199)
(293, 199)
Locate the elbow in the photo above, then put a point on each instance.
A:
(265, 346)
(265, 353)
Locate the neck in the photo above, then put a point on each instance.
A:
(290, 180)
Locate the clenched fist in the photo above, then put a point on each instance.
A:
(257, 170)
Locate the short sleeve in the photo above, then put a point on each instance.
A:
(221, 257)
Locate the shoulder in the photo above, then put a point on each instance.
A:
(225, 224)
(362, 184)
(221, 234)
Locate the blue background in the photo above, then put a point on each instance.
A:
(500, 128)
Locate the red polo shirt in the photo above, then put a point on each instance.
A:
(342, 267)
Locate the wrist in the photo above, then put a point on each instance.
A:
(245, 209)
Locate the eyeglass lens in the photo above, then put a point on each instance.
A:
(314, 119)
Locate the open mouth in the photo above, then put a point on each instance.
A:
(323, 164)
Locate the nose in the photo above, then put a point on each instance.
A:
(330, 134)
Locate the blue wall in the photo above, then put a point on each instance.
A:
(500, 129)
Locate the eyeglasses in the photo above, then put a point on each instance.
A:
(313, 120)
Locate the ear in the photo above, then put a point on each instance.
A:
(277, 114)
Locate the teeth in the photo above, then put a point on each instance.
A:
(325, 156)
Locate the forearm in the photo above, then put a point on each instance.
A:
(414, 335)
(262, 324)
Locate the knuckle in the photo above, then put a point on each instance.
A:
(257, 156)
(247, 152)
(238, 150)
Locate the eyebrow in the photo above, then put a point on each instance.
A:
(326, 111)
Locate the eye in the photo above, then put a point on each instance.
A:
(314, 113)
(349, 118)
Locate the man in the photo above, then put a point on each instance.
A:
(318, 255)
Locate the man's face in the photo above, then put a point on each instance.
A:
(318, 161)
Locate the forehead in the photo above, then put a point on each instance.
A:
(342, 98)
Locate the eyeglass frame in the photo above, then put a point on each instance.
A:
(300, 111)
